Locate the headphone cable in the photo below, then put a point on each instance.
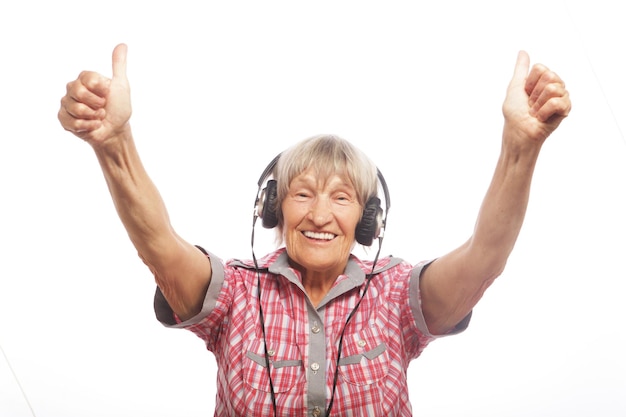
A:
(262, 320)
(352, 313)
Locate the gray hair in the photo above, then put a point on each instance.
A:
(326, 155)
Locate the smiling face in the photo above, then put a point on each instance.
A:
(320, 216)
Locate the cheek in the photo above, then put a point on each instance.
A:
(350, 220)
(290, 216)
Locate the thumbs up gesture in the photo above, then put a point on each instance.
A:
(536, 103)
(96, 108)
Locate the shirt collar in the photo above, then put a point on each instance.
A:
(353, 276)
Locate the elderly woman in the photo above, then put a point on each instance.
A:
(310, 330)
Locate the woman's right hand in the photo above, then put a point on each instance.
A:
(95, 108)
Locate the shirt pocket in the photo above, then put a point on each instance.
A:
(285, 365)
(364, 358)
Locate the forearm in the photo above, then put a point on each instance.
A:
(454, 283)
(504, 207)
(181, 270)
(136, 199)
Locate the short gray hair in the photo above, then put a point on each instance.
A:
(327, 155)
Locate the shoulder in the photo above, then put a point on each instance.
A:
(263, 263)
(388, 266)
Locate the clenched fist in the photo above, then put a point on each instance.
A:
(96, 108)
(536, 103)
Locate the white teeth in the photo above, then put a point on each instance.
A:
(322, 236)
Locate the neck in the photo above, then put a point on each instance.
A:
(317, 283)
(317, 289)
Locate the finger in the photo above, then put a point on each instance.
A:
(80, 110)
(83, 128)
(521, 69)
(90, 92)
(554, 108)
(545, 84)
(77, 126)
(119, 61)
(533, 79)
(94, 82)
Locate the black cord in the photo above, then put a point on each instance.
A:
(352, 313)
(262, 320)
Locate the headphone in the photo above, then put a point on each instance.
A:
(370, 227)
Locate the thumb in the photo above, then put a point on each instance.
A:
(521, 69)
(119, 61)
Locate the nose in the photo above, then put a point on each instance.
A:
(321, 211)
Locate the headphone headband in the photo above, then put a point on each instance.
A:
(270, 167)
(268, 170)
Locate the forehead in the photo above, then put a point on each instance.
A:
(313, 177)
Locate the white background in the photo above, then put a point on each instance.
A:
(219, 88)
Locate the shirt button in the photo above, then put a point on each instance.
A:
(317, 412)
(315, 329)
(270, 352)
(315, 366)
(361, 343)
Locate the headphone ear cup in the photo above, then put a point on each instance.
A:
(269, 205)
(369, 227)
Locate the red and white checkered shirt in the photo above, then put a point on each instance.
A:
(386, 333)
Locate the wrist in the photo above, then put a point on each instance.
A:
(118, 155)
(520, 145)
(114, 143)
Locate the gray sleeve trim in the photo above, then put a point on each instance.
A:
(163, 311)
(416, 305)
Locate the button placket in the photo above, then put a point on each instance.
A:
(316, 362)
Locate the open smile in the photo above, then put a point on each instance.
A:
(319, 235)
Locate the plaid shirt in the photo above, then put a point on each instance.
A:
(386, 333)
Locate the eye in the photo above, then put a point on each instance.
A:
(301, 195)
(343, 198)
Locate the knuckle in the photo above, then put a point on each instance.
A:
(552, 77)
(83, 111)
(80, 92)
(553, 90)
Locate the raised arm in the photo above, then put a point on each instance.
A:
(535, 104)
(98, 109)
